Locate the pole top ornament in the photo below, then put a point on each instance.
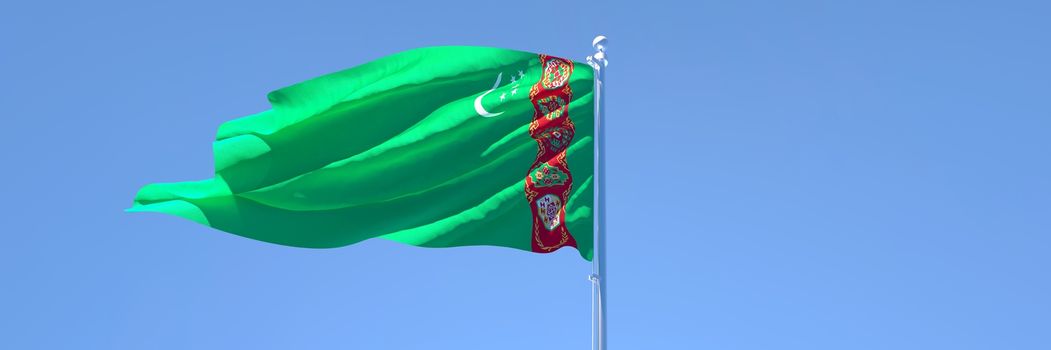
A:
(598, 60)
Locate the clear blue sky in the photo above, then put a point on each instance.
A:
(814, 175)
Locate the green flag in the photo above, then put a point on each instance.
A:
(435, 147)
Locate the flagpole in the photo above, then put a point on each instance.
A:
(598, 268)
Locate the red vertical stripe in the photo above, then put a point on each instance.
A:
(549, 181)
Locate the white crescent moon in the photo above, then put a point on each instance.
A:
(478, 101)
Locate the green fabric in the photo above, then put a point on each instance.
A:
(395, 149)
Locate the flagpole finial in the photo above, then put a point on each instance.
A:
(599, 43)
(598, 60)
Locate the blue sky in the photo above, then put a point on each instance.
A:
(805, 175)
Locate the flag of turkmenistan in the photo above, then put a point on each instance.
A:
(434, 147)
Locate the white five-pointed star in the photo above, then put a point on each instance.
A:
(512, 78)
(503, 96)
(514, 91)
(521, 74)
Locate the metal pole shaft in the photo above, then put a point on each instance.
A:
(598, 276)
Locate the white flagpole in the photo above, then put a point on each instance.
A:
(598, 268)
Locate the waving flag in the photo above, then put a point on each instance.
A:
(434, 147)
